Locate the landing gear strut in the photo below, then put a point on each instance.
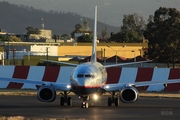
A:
(65, 99)
(113, 99)
(85, 104)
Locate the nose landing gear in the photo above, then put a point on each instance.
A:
(85, 104)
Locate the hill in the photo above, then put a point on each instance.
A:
(16, 18)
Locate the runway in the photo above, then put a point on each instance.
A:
(143, 109)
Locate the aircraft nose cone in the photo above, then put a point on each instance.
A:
(78, 82)
(81, 82)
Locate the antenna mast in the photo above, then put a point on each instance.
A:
(42, 19)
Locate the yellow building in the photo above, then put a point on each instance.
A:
(127, 50)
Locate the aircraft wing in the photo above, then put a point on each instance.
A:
(65, 63)
(129, 63)
(119, 86)
(58, 86)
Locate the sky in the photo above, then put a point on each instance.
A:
(110, 12)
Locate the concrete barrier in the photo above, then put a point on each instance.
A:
(115, 75)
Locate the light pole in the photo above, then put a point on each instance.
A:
(8, 49)
(116, 50)
(134, 56)
(47, 52)
(28, 52)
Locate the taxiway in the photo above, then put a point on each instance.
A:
(144, 108)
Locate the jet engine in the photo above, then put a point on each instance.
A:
(46, 93)
(129, 94)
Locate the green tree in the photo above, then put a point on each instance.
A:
(104, 33)
(31, 30)
(133, 22)
(3, 37)
(77, 29)
(132, 29)
(82, 28)
(55, 37)
(163, 33)
(85, 38)
(65, 36)
(13, 39)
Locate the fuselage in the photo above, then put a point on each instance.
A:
(87, 78)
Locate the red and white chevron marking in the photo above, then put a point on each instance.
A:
(115, 75)
(37, 73)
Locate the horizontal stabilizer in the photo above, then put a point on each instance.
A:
(65, 63)
(130, 63)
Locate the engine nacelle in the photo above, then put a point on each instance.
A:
(46, 93)
(129, 94)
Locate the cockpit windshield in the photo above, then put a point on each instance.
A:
(85, 75)
(89, 75)
(80, 75)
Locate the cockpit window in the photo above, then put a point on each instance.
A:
(89, 75)
(80, 75)
(85, 75)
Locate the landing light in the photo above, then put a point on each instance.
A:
(68, 86)
(95, 97)
(107, 86)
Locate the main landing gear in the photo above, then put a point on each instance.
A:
(65, 99)
(113, 99)
(85, 104)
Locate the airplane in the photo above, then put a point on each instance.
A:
(89, 79)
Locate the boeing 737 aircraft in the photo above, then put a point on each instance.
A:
(89, 79)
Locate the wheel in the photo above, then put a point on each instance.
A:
(69, 101)
(116, 101)
(62, 101)
(84, 105)
(109, 101)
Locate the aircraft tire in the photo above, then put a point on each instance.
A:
(85, 105)
(109, 101)
(69, 101)
(116, 101)
(62, 101)
(82, 105)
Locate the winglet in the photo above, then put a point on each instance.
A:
(93, 56)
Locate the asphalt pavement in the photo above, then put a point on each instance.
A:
(143, 109)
